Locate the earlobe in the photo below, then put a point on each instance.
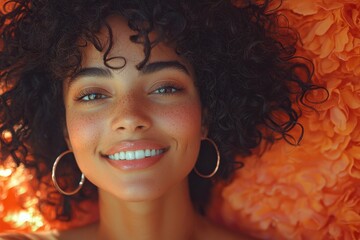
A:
(66, 138)
(204, 124)
(204, 132)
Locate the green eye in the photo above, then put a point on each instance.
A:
(167, 90)
(92, 96)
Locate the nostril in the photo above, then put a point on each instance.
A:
(140, 127)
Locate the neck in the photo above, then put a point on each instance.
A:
(169, 217)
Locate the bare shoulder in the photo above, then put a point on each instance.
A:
(28, 236)
(87, 232)
(211, 231)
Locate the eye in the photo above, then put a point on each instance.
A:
(167, 90)
(91, 95)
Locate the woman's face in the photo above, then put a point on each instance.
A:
(135, 134)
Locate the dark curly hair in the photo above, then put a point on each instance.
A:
(246, 72)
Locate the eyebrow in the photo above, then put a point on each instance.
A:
(161, 65)
(147, 69)
(90, 72)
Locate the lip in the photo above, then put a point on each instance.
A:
(137, 164)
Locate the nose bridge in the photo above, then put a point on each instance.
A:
(130, 113)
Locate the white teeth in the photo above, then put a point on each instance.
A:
(130, 155)
(138, 154)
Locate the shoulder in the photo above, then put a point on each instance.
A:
(28, 236)
(87, 232)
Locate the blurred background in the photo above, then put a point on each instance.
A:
(311, 191)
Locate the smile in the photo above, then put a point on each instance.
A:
(136, 155)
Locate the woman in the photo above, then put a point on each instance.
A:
(137, 93)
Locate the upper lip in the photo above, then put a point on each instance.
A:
(134, 145)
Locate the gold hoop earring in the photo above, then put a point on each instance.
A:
(217, 161)
(53, 176)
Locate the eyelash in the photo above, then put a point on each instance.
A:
(90, 92)
(96, 94)
(174, 89)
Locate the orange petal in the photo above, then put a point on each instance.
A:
(323, 26)
(328, 66)
(341, 39)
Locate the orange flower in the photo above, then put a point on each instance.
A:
(330, 33)
(310, 191)
(351, 13)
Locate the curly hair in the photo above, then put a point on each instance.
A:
(247, 74)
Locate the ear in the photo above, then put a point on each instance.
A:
(66, 137)
(204, 123)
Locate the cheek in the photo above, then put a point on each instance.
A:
(183, 120)
(83, 130)
(183, 125)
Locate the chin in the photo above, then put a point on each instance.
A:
(136, 192)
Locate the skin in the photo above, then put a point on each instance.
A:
(131, 108)
(108, 108)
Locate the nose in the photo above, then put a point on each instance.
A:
(131, 115)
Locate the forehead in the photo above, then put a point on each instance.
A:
(122, 48)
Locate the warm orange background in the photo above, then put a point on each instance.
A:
(307, 192)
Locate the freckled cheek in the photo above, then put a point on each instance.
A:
(84, 130)
(183, 120)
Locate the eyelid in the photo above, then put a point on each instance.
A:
(88, 91)
(166, 84)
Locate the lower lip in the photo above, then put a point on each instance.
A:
(135, 164)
